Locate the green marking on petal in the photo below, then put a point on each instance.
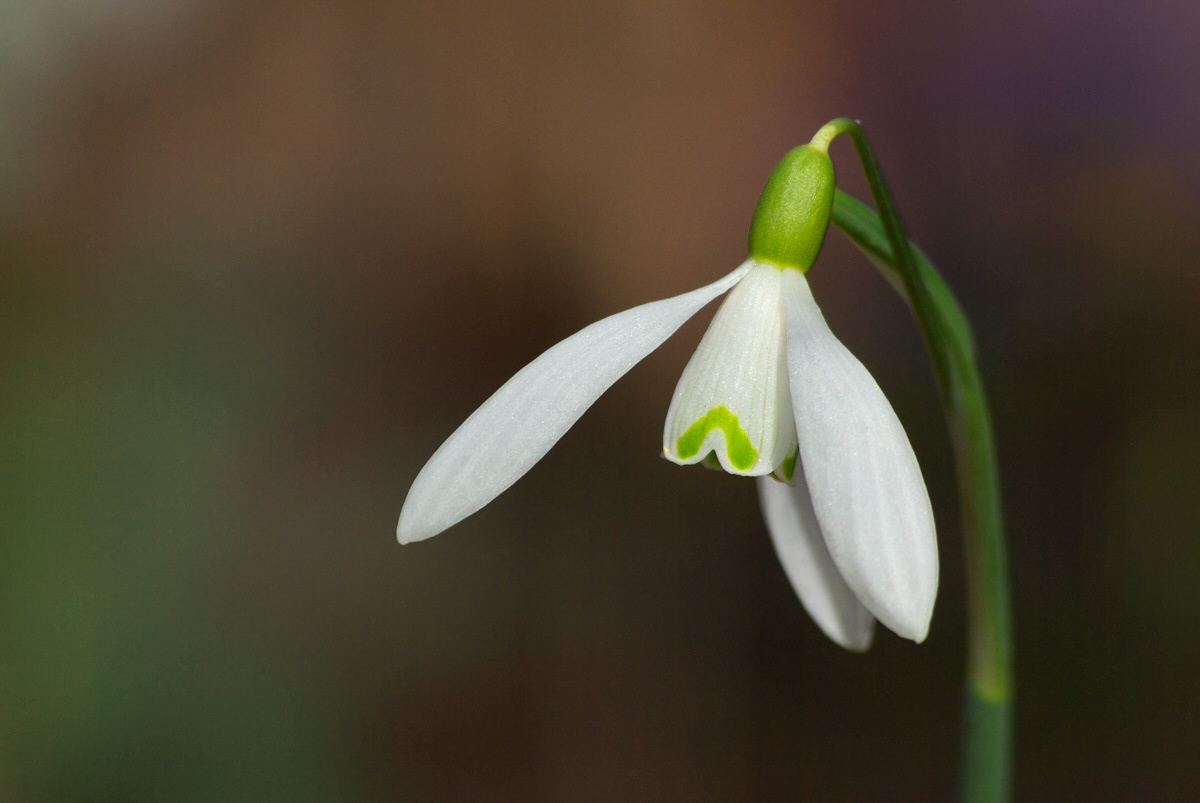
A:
(787, 469)
(738, 448)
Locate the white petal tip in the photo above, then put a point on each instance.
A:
(410, 529)
(854, 636)
(915, 629)
(855, 646)
(907, 609)
(404, 535)
(910, 621)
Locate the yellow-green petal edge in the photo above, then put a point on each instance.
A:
(787, 469)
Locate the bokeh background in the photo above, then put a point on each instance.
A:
(257, 259)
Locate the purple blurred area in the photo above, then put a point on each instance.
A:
(257, 260)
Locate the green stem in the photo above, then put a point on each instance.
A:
(989, 692)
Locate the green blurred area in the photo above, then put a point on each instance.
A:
(128, 413)
(258, 260)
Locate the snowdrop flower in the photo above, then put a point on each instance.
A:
(770, 393)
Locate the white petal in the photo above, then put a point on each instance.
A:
(865, 483)
(801, 548)
(733, 396)
(521, 421)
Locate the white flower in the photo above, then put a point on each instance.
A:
(770, 393)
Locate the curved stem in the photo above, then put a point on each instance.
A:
(988, 715)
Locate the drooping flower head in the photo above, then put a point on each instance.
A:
(770, 393)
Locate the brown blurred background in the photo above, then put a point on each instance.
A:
(257, 259)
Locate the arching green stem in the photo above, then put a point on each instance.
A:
(989, 693)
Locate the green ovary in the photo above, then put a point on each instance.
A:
(738, 448)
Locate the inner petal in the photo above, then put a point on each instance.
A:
(732, 401)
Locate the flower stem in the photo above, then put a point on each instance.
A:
(987, 742)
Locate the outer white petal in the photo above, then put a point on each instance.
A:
(866, 487)
(732, 398)
(521, 421)
(801, 548)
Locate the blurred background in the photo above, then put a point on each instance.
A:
(258, 259)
